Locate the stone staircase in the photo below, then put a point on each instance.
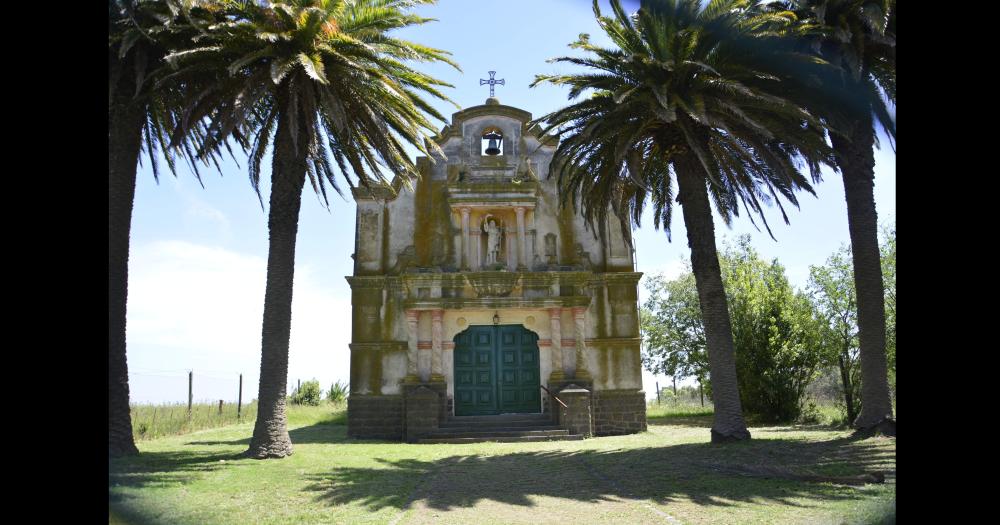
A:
(506, 428)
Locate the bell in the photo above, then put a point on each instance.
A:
(493, 147)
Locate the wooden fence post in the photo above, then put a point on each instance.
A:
(239, 402)
(190, 391)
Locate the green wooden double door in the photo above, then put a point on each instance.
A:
(496, 371)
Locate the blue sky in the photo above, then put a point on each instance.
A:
(198, 255)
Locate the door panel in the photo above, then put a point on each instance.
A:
(496, 371)
(475, 372)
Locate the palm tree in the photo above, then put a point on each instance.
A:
(687, 93)
(141, 113)
(316, 79)
(859, 37)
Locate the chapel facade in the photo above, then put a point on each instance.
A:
(475, 294)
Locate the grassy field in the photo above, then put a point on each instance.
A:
(156, 421)
(670, 474)
(677, 409)
(168, 419)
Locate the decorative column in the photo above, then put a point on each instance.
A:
(411, 346)
(555, 321)
(476, 261)
(511, 255)
(436, 317)
(466, 241)
(580, 330)
(522, 250)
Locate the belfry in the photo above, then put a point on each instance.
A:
(480, 303)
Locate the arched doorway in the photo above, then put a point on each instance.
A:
(496, 371)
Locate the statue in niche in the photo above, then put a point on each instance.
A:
(494, 233)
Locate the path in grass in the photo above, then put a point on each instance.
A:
(671, 474)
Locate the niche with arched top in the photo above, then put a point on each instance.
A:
(491, 142)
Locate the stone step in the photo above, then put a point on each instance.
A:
(497, 424)
(495, 428)
(451, 433)
(501, 417)
(502, 439)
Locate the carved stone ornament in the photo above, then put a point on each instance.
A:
(493, 284)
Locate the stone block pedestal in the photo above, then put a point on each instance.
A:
(619, 412)
(576, 415)
(425, 408)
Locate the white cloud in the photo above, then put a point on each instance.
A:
(198, 211)
(201, 307)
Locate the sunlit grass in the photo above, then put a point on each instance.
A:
(670, 470)
(674, 408)
(169, 419)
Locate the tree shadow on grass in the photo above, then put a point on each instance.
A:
(696, 472)
(706, 423)
(164, 468)
(320, 433)
(819, 427)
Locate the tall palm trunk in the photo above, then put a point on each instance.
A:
(857, 164)
(728, 423)
(288, 172)
(125, 121)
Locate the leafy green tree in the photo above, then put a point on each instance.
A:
(831, 289)
(859, 38)
(689, 92)
(888, 256)
(673, 331)
(324, 87)
(142, 112)
(776, 333)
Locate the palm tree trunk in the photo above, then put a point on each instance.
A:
(288, 172)
(125, 123)
(728, 423)
(857, 164)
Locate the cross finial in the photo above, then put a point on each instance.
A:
(492, 81)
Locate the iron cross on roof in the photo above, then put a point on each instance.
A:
(492, 81)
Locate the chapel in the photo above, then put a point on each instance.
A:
(482, 308)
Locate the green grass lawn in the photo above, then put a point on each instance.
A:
(670, 474)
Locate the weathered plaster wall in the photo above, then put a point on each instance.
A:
(408, 256)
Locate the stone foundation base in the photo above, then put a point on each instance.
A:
(618, 412)
(375, 417)
(423, 410)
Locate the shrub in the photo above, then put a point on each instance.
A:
(338, 392)
(308, 394)
(809, 414)
(776, 334)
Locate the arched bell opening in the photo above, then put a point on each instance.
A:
(491, 141)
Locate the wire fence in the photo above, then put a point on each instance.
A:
(195, 401)
(151, 421)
